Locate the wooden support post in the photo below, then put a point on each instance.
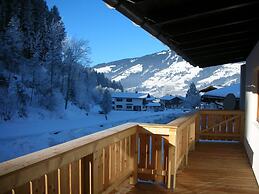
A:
(192, 136)
(197, 126)
(171, 159)
(242, 127)
(174, 170)
(187, 145)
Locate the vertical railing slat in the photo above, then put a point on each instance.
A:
(38, 185)
(75, 178)
(53, 182)
(64, 179)
(134, 159)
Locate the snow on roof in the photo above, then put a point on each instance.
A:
(181, 97)
(168, 97)
(223, 92)
(153, 104)
(129, 95)
(151, 98)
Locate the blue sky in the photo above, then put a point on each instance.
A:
(111, 36)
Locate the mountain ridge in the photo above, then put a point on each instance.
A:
(165, 72)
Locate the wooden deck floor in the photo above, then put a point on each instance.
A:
(213, 168)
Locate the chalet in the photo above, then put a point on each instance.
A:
(171, 101)
(204, 33)
(129, 101)
(215, 98)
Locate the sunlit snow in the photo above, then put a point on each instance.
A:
(105, 69)
(135, 69)
(174, 78)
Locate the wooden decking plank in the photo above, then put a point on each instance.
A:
(217, 168)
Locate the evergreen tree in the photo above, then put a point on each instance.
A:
(193, 98)
(11, 48)
(40, 24)
(106, 103)
(56, 35)
(54, 15)
(27, 27)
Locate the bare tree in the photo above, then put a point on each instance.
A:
(75, 54)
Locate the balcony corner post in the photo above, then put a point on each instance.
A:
(171, 160)
(242, 127)
(197, 126)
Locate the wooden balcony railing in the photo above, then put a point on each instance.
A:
(221, 125)
(100, 162)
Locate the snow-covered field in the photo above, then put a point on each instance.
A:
(42, 130)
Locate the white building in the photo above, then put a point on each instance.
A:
(129, 101)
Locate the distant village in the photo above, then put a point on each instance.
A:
(211, 97)
(144, 102)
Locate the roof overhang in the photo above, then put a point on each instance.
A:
(205, 33)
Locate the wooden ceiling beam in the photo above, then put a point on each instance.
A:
(205, 14)
(215, 27)
(214, 45)
(226, 53)
(217, 36)
(225, 60)
(219, 50)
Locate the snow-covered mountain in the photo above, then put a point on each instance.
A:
(167, 73)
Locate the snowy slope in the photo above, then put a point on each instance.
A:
(44, 129)
(167, 73)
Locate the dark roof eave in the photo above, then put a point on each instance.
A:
(141, 22)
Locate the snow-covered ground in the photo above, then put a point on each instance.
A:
(42, 130)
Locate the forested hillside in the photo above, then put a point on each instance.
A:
(39, 66)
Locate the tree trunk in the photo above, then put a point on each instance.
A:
(67, 94)
(68, 87)
(33, 85)
(51, 75)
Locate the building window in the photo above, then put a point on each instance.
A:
(129, 107)
(129, 100)
(119, 99)
(118, 106)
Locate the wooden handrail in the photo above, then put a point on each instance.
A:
(221, 112)
(184, 120)
(220, 123)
